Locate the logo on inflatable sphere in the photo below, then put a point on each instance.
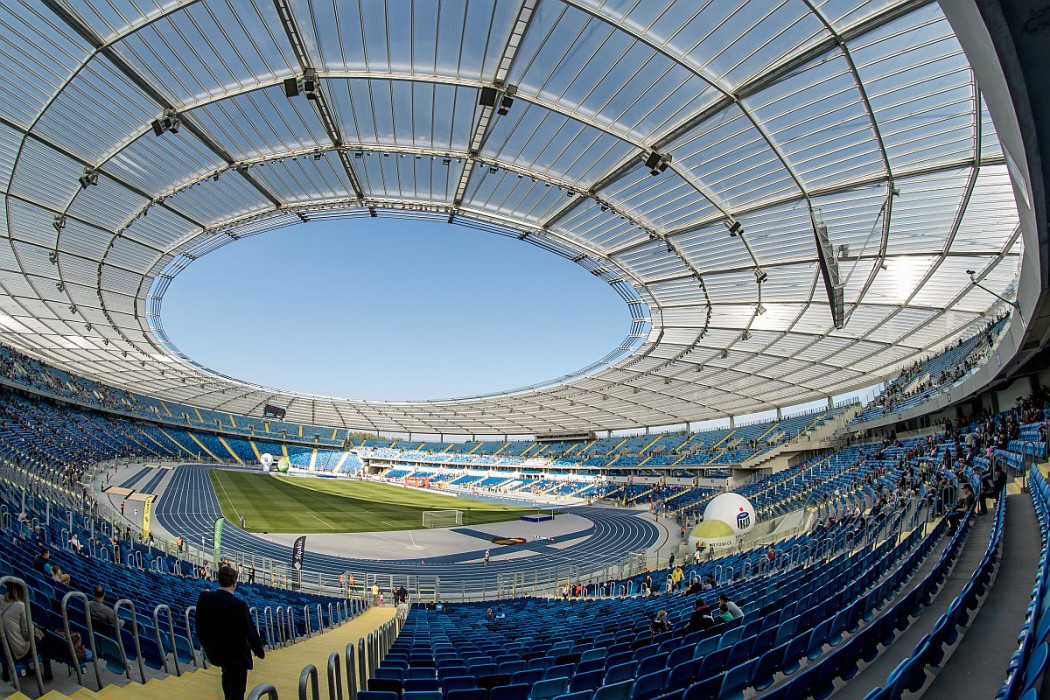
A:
(734, 510)
(743, 520)
(282, 465)
(266, 460)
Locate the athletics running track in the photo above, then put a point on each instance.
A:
(189, 507)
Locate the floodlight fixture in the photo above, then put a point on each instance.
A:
(169, 121)
(735, 229)
(89, 178)
(504, 106)
(724, 353)
(308, 85)
(760, 309)
(487, 97)
(760, 275)
(657, 162)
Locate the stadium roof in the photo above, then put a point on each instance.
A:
(136, 136)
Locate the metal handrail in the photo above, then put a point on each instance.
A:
(33, 655)
(293, 632)
(362, 666)
(268, 623)
(171, 633)
(308, 675)
(124, 602)
(351, 671)
(266, 689)
(91, 636)
(189, 638)
(281, 630)
(335, 677)
(306, 619)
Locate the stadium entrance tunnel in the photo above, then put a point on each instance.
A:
(390, 309)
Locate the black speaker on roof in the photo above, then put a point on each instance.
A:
(291, 87)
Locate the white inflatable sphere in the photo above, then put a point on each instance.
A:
(734, 510)
(266, 460)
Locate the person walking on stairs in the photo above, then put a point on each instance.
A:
(228, 634)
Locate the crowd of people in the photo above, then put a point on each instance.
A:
(915, 381)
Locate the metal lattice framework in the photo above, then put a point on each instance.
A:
(136, 136)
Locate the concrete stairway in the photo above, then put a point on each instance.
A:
(281, 668)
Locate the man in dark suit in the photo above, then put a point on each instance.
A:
(228, 634)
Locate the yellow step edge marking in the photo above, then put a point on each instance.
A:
(210, 453)
(229, 449)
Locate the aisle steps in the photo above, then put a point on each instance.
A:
(281, 667)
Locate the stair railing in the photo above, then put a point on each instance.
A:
(351, 672)
(171, 638)
(69, 636)
(279, 615)
(335, 677)
(308, 677)
(268, 623)
(125, 603)
(265, 689)
(189, 638)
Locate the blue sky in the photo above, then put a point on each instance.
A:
(390, 309)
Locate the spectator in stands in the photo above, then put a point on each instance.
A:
(74, 544)
(103, 617)
(58, 575)
(701, 618)
(14, 625)
(991, 486)
(228, 634)
(42, 563)
(375, 594)
(660, 624)
(733, 608)
(723, 612)
(678, 578)
(964, 504)
(710, 582)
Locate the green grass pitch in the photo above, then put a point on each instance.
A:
(300, 505)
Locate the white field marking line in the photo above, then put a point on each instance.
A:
(323, 522)
(223, 487)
